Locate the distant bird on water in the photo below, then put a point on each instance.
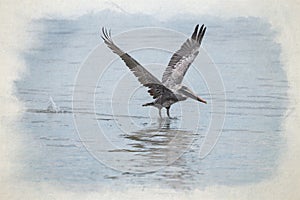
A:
(169, 90)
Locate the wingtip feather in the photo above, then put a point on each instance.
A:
(201, 33)
(106, 35)
(198, 35)
(194, 36)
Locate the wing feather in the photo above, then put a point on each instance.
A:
(183, 58)
(156, 88)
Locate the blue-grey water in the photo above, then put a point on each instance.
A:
(248, 149)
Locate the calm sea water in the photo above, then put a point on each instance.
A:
(247, 57)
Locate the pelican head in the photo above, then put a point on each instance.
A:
(188, 93)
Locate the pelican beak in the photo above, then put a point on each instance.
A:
(201, 100)
(187, 92)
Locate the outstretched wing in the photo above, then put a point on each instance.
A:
(156, 88)
(183, 58)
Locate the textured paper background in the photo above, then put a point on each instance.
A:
(15, 16)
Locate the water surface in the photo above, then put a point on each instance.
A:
(247, 151)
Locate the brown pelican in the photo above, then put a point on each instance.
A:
(169, 90)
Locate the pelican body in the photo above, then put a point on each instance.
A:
(169, 90)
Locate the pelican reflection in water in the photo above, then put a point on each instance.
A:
(169, 90)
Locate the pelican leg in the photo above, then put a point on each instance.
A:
(159, 112)
(168, 112)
